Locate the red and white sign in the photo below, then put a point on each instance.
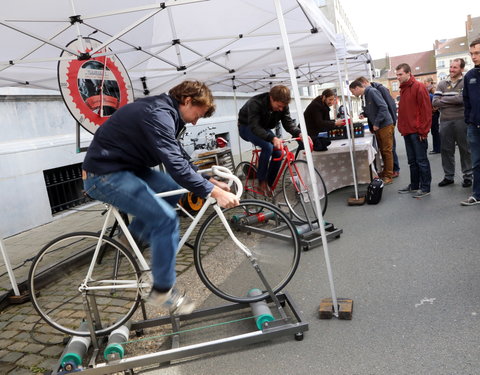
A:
(95, 88)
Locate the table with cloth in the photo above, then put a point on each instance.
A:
(335, 165)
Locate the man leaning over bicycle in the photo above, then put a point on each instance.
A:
(256, 119)
(117, 170)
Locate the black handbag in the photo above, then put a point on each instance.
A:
(374, 191)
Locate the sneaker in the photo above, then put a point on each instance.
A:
(178, 303)
(471, 201)
(387, 180)
(407, 190)
(420, 194)
(467, 183)
(395, 174)
(445, 182)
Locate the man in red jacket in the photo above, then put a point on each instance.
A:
(414, 123)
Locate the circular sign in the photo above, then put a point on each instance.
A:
(93, 88)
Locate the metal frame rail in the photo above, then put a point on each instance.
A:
(291, 325)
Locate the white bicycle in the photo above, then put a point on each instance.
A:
(89, 276)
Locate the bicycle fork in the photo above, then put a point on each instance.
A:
(253, 261)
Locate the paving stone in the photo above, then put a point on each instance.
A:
(6, 334)
(12, 357)
(52, 351)
(20, 371)
(20, 326)
(33, 348)
(6, 367)
(17, 346)
(31, 360)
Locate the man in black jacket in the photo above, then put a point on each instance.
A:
(256, 119)
(117, 170)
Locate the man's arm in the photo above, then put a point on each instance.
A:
(255, 110)
(383, 115)
(466, 103)
(424, 108)
(288, 123)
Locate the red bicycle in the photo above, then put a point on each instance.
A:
(296, 184)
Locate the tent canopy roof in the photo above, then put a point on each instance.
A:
(218, 41)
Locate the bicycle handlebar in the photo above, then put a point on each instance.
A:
(228, 175)
(297, 139)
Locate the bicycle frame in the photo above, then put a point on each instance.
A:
(288, 157)
(112, 284)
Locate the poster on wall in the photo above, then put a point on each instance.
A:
(93, 89)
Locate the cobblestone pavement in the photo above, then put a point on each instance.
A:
(27, 344)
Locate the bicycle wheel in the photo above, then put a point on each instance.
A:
(247, 174)
(269, 235)
(298, 191)
(60, 269)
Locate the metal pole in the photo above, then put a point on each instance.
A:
(308, 153)
(9, 268)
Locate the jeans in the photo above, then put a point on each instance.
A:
(396, 164)
(155, 220)
(420, 174)
(267, 170)
(435, 130)
(473, 135)
(385, 143)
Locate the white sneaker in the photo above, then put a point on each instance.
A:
(178, 303)
(471, 201)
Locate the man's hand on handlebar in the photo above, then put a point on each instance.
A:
(277, 143)
(224, 198)
(222, 185)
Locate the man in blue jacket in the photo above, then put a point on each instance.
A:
(378, 115)
(117, 170)
(471, 101)
(392, 109)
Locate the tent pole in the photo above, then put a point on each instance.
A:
(350, 126)
(308, 153)
(8, 266)
(236, 114)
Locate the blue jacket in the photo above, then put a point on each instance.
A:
(392, 106)
(141, 135)
(376, 109)
(471, 96)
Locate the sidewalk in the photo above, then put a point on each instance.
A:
(27, 345)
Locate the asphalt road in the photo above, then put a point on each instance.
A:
(411, 267)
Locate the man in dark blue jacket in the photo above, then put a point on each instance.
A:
(117, 170)
(392, 109)
(471, 101)
(378, 115)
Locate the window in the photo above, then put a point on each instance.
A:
(65, 187)
(441, 64)
(395, 86)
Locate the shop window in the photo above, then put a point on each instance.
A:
(65, 187)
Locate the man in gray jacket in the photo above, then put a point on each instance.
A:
(453, 129)
(378, 115)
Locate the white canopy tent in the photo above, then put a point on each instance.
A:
(162, 44)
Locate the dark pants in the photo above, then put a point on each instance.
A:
(420, 174)
(267, 170)
(435, 130)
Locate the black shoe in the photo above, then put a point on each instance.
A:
(433, 152)
(467, 183)
(445, 182)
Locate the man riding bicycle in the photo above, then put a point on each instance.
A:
(117, 170)
(256, 119)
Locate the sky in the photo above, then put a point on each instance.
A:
(407, 26)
